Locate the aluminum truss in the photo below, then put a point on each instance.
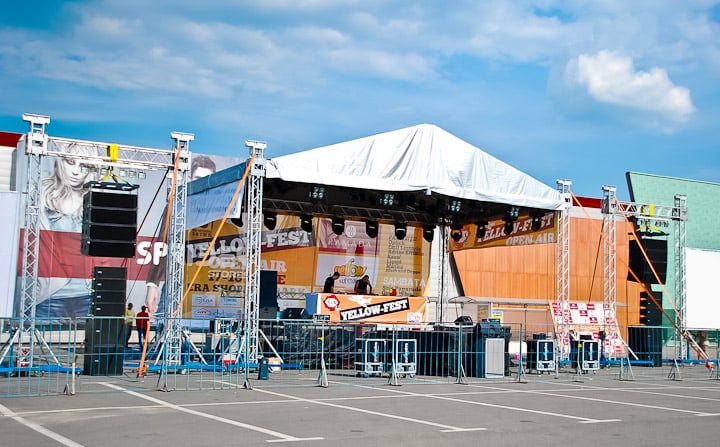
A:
(563, 262)
(609, 210)
(252, 252)
(647, 212)
(96, 155)
(175, 260)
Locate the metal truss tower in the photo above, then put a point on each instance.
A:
(644, 212)
(175, 259)
(609, 210)
(563, 261)
(680, 214)
(252, 250)
(92, 155)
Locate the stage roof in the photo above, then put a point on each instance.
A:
(419, 175)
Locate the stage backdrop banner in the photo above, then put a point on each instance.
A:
(389, 262)
(219, 289)
(344, 308)
(495, 236)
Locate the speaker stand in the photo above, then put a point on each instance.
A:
(17, 340)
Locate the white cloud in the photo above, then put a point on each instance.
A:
(611, 78)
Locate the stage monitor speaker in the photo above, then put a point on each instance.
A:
(109, 226)
(268, 289)
(656, 250)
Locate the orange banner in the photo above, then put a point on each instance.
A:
(494, 234)
(368, 308)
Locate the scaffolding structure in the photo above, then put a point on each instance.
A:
(104, 157)
(644, 212)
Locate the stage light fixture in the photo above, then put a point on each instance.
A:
(536, 221)
(270, 220)
(317, 193)
(508, 228)
(388, 199)
(456, 232)
(400, 230)
(481, 229)
(237, 221)
(306, 223)
(141, 174)
(513, 214)
(338, 225)
(371, 228)
(454, 206)
(429, 233)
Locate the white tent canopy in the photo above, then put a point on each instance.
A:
(423, 157)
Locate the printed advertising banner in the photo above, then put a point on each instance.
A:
(522, 233)
(587, 319)
(64, 274)
(369, 309)
(302, 260)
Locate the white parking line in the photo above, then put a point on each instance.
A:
(445, 428)
(582, 420)
(616, 402)
(5, 411)
(282, 437)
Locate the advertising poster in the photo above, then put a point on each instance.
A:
(494, 233)
(219, 287)
(344, 308)
(588, 319)
(65, 275)
(390, 263)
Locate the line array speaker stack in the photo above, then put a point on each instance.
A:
(109, 223)
(104, 330)
(656, 250)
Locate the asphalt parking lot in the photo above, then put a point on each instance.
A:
(590, 409)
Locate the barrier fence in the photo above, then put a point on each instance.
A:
(63, 357)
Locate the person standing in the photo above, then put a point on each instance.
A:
(141, 324)
(329, 286)
(363, 286)
(129, 318)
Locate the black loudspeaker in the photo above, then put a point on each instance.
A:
(650, 314)
(111, 309)
(109, 285)
(268, 288)
(104, 332)
(656, 250)
(646, 343)
(109, 224)
(464, 320)
(103, 361)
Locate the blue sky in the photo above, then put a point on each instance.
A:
(583, 90)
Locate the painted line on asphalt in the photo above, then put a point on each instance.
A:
(5, 411)
(282, 437)
(444, 428)
(616, 402)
